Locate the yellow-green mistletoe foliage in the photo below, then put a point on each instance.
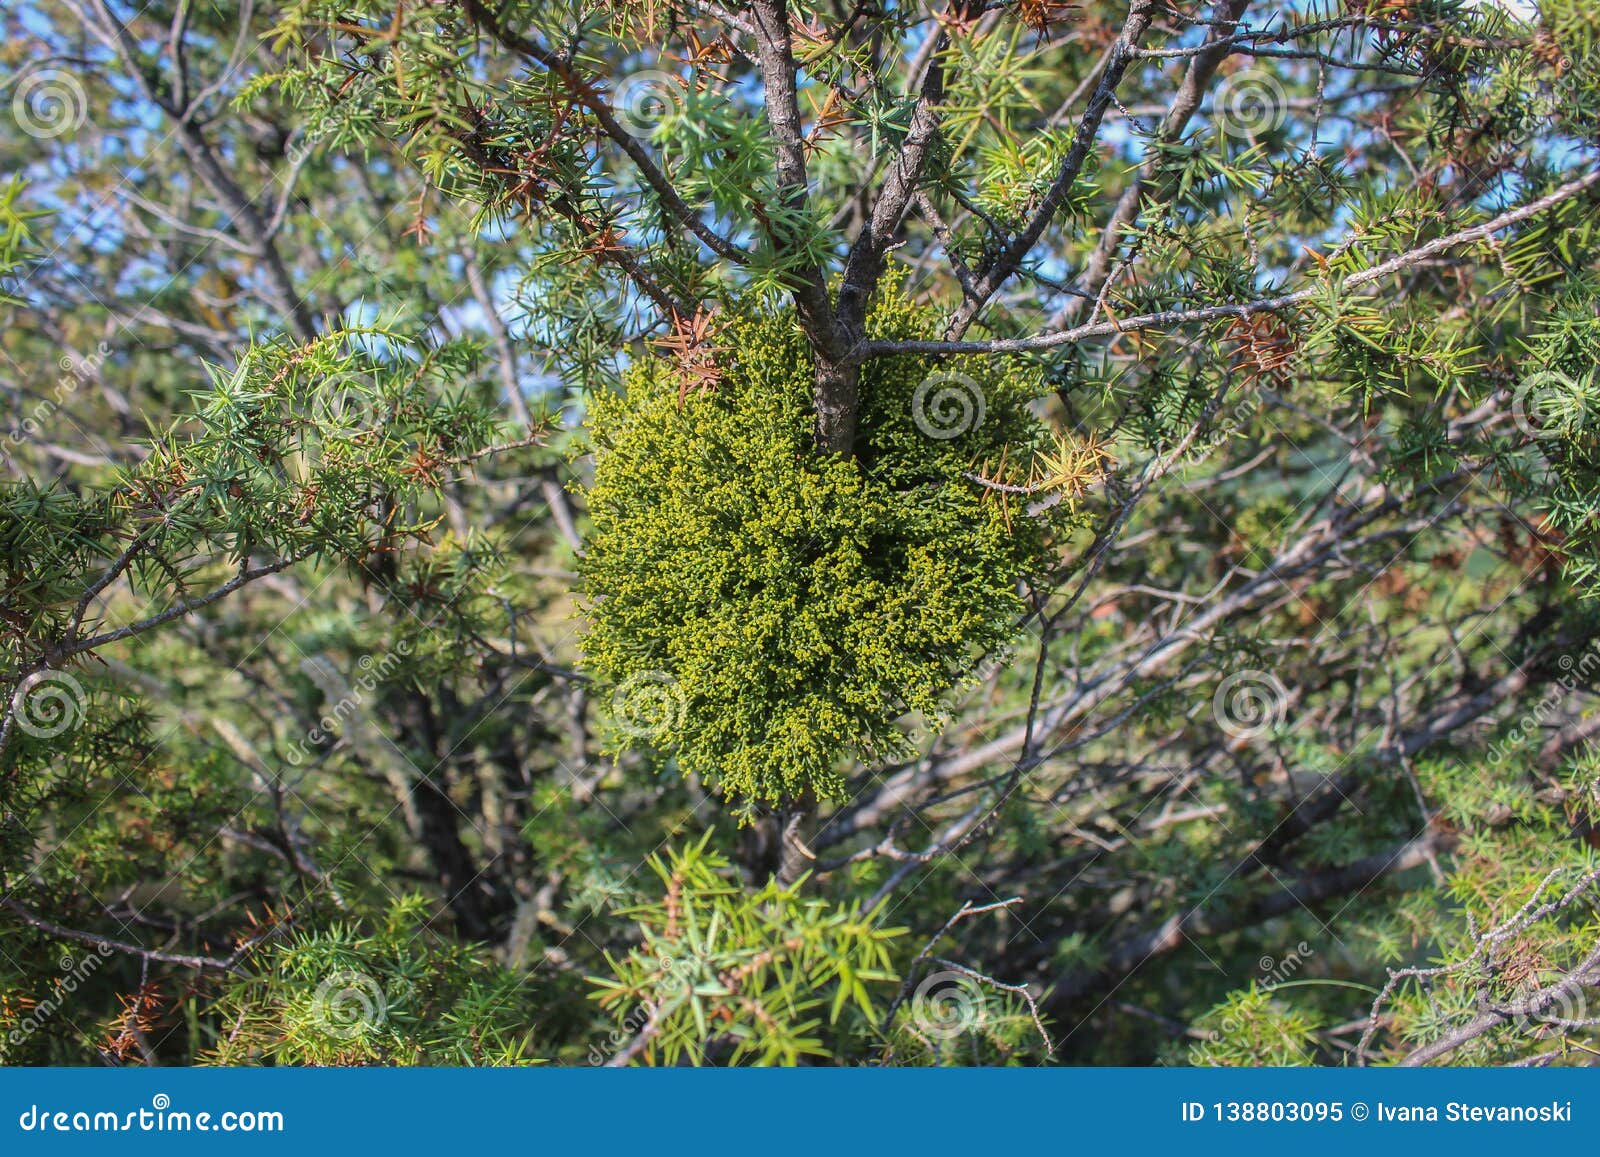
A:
(764, 609)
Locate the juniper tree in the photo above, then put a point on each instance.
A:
(764, 532)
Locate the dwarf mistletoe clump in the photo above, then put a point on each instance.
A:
(799, 602)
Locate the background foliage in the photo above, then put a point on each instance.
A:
(659, 531)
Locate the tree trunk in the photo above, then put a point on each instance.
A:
(835, 401)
